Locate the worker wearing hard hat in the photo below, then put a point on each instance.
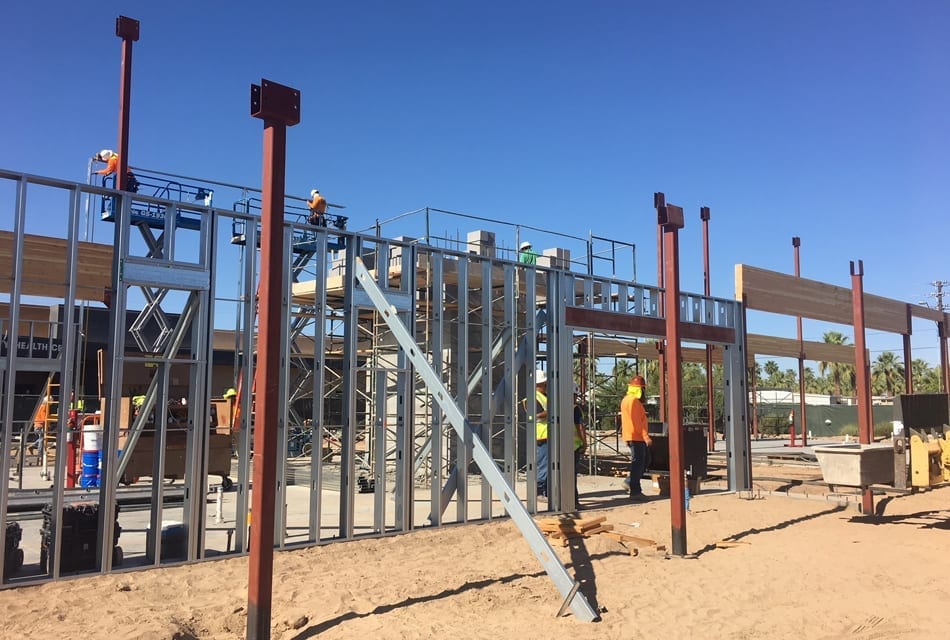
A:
(111, 158)
(526, 255)
(318, 209)
(541, 430)
(635, 432)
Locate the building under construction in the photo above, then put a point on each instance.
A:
(129, 329)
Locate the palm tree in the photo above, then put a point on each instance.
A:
(838, 370)
(771, 369)
(926, 379)
(887, 373)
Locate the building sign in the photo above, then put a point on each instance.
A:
(45, 348)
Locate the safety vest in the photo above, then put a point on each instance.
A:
(541, 428)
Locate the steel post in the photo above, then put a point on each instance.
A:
(908, 358)
(670, 219)
(802, 416)
(279, 107)
(862, 380)
(659, 201)
(710, 391)
(128, 30)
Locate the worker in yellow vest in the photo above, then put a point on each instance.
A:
(541, 431)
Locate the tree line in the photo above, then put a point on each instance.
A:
(832, 378)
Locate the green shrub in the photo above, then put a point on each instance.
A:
(849, 430)
(883, 429)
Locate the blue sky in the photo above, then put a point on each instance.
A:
(826, 120)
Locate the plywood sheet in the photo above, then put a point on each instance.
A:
(44, 267)
(775, 292)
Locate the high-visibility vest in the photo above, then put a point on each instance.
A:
(541, 428)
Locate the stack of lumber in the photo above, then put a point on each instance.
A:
(560, 531)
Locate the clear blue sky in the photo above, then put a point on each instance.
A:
(826, 120)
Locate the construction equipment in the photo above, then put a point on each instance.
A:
(930, 457)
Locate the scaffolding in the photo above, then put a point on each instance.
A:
(370, 441)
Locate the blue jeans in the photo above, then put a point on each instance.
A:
(543, 468)
(639, 456)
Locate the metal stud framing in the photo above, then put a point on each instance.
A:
(482, 324)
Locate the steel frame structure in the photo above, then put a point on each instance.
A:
(483, 325)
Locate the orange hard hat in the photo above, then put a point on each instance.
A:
(638, 381)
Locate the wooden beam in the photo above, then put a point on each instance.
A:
(764, 290)
(788, 348)
(44, 267)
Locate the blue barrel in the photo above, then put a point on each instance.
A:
(90, 469)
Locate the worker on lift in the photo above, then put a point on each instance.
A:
(318, 209)
(111, 158)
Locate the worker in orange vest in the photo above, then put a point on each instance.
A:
(318, 207)
(636, 433)
(111, 158)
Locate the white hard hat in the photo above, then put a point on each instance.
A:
(525, 245)
(540, 376)
(314, 192)
(105, 154)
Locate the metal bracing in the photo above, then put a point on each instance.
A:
(484, 324)
(536, 540)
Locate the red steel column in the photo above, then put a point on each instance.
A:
(279, 107)
(862, 379)
(908, 358)
(128, 30)
(710, 392)
(803, 423)
(658, 202)
(670, 218)
(942, 333)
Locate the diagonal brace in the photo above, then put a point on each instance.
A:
(566, 585)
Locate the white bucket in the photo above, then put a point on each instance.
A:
(91, 437)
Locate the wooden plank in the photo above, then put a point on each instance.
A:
(775, 292)
(44, 267)
(590, 523)
(623, 537)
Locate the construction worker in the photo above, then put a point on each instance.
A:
(580, 437)
(318, 209)
(541, 430)
(526, 255)
(635, 432)
(111, 158)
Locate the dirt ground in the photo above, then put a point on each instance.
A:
(798, 566)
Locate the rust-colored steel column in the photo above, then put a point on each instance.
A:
(942, 333)
(279, 107)
(658, 202)
(796, 243)
(128, 30)
(707, 290)
(908, 357)
(862, 379)
(670, 218)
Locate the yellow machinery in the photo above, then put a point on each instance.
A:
(929, 457)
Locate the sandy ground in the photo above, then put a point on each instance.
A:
(811, 568)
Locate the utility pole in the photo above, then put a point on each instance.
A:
(938, 286)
